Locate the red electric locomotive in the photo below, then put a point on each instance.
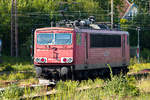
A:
(75, 52)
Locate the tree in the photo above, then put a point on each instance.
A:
(40, 13)
(140, 20)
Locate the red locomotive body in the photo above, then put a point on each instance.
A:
(53, 46)
(70, 52)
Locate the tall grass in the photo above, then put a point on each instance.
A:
(17, 76)
(15, 60)
(118, 87)
(12, 92)
(15, 69)
(115, 88)
(136, 67)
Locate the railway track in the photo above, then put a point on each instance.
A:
(42, 83)
(52, 91)
(9, 72)
(140, 74)
(145, 73)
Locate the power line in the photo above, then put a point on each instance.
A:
(134, 28)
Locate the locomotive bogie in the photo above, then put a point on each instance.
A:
(54, 72)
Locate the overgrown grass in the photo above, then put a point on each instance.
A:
(12, 92)
(17, 76)
(115, 88)
(15, 60)
(16, 69)
(136, 67)
(144, 85)
(16, 64)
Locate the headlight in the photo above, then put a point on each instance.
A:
(41, 60)
(70, 60)
(66, 60)
(37, 60)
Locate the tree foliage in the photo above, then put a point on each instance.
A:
(140, 20)
(40, 13)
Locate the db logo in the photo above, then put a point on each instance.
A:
(106, 53)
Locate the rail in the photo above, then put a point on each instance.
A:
(46, 83)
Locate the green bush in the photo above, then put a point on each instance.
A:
(16, 60)
(6, 67)
(11, 93)
(16, 67)
(120, 86)
(21, 67)
(117, 87)
(17, 76)
(145, 53)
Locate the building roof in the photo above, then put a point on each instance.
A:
(131, 7)
(126, 5)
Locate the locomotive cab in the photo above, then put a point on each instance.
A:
(53, 51)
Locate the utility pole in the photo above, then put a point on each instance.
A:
(112, 12)
(149, 7)
(14, 29)
(138, 44)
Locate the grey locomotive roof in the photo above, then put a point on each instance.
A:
(90, 31)
(101, 31)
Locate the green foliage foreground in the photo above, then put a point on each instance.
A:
(117, 87)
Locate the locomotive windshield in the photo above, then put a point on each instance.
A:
(44, 38)
(54, 38)
(64, 38)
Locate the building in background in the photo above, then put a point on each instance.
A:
(129, 10)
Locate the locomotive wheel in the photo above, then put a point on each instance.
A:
(64, 72)
(38, 71)
(121, 70)
(125, 70)
(72, 73)
(67, 73)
